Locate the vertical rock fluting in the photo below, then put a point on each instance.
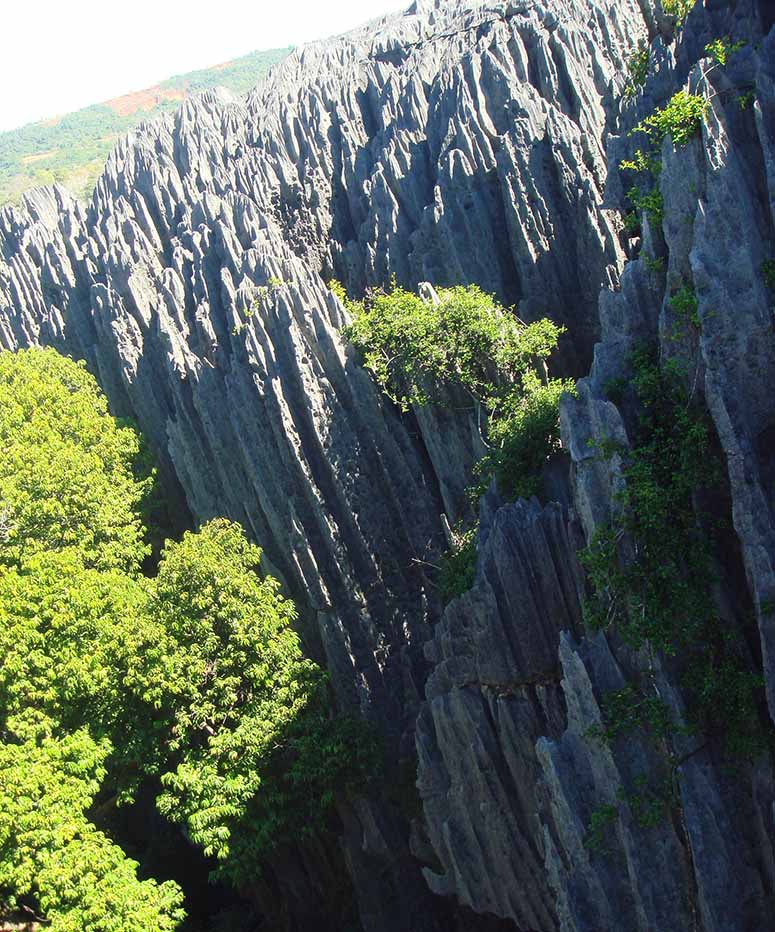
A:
(457, 142)
(710, 866)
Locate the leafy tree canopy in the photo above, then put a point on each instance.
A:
(432, 349)
(66, 471)
(416, 347)
(52, 854)
(107, 677)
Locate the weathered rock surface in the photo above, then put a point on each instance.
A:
(712, 868)
(460, 141)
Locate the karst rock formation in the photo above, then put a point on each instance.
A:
(460, 141)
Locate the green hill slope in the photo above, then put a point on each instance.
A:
(72, 149)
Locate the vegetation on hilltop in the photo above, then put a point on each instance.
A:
(72, 149)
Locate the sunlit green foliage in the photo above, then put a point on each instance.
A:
(53, 856)
(642, 162)
(650, 202)
(524, 436)
(339, 290)
(66, 469)
(416, 349)
(107, 678)
(249, 713)
(65, 635)
(680, 119)
(465, 343)
(721, 49)
(679, 9)
(420, 351)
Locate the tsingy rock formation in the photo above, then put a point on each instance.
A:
(458, 142)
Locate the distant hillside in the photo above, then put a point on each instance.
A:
(72, 149)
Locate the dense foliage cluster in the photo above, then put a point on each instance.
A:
(67, 475)
(53, 856)
(466, 348)
(525, 434)
(108, 678)
(686, 306)
(680, 119)
(417, 348)
(678, 9)
(721, 48)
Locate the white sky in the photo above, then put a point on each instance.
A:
(60, 55)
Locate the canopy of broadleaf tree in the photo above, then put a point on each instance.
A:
(109, 677)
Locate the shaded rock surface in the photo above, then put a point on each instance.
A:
(709, 867)
(459, 141)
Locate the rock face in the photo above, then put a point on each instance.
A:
(517, 743)
(460, 141)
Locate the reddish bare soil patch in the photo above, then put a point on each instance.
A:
(145, 100)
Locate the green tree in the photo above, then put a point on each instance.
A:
(52, 855)
(249, 714)
(71, 640)
(462, 342)
(66, 470)
(194, 677)
(525, 434)
(417, 348)
(233, 681)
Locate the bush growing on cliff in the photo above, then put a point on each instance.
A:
(522, 438)
(652, 570)
(685, 304)
(679, 9)
(458, 564)
(460, 347)
(680, 119)
(652, 576)
(108, 678)
(465, 345)
(722, 48)
(417, 348)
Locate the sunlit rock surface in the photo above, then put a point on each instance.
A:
(454, 142)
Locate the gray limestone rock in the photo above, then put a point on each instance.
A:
(460, 141)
